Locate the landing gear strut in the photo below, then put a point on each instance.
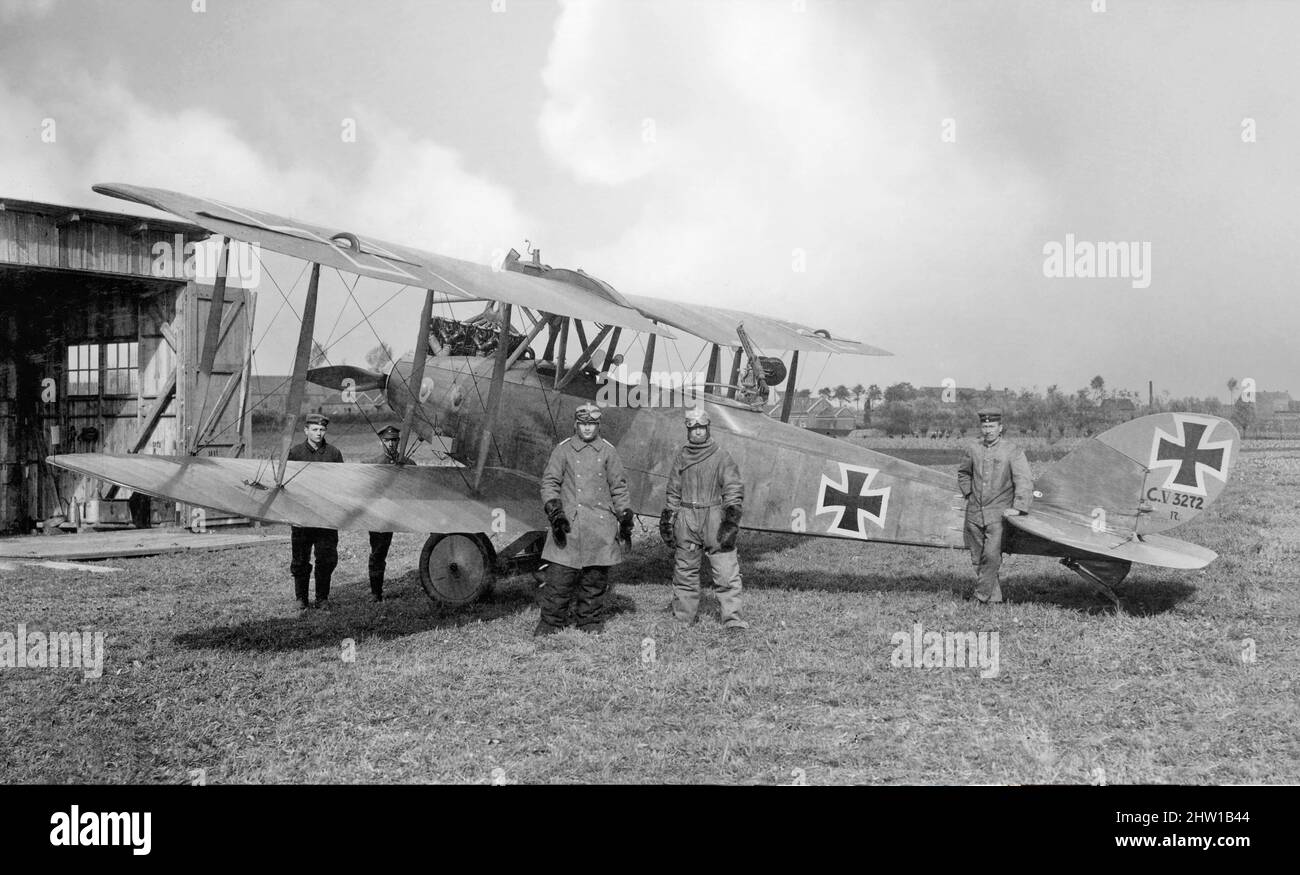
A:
(1102, 575)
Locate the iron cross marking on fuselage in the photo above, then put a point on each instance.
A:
(851, 501)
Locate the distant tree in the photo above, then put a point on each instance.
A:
(858, 391)
(896, 418)
(874, 394)
(842, 393)
(803, 393)
(1058, 409)
(1232, 386)
(1084, 411)
(1098, 386)
(900, 392)
(1243, 414)
(1031, 411)
(380, 358)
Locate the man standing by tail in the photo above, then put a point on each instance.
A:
(996, 481)
(302, 539)
(381, 541)
(705, 499)
(585, 496)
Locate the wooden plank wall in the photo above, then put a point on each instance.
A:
(228, 433)
(54, 310)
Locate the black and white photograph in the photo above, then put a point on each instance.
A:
(741, 393)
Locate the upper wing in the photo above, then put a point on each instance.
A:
(385, 261)
(380, 498)
(718, 325)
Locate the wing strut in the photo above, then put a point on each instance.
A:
(649, 363)
(613, 350)
(788, 401)
(585, 357)
(564, 346)
(211, 339)
(494, 397)
(416, 384)
(538, 325)
(298, 383)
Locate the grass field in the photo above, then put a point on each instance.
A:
(210, 667)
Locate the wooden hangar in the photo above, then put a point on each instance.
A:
(103, 330)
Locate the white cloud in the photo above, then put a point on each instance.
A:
(14, 10)
(795, 135)
(401, 188)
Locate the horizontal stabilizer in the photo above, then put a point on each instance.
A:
(334, 377)
(1148, 549)
(379, 498)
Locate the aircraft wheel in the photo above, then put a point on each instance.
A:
(456, 569)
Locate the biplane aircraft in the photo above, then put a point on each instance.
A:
(504, 406)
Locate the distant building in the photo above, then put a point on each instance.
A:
(1269, 403)
(1115, 410)
(816, 413)
(1276, 413)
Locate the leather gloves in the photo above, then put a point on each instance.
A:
(625, 528)
(729, 529)
(666, 529)
(559, 522)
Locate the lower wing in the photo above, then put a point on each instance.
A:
(380, 498)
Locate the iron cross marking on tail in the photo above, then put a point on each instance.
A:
(852, 502)
(1189, 457)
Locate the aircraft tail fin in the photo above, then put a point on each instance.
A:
(1145, 476)
(1114, 492)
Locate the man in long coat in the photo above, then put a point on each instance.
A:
(996, 481)
(585, 496)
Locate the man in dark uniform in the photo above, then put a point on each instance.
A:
(381, 541)
(704, 502)
(303, 539)
(996, 481)
(585, 496)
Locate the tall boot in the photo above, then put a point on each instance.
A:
(376, 587)
(300, 591)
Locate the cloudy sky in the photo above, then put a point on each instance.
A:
(893, 172)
